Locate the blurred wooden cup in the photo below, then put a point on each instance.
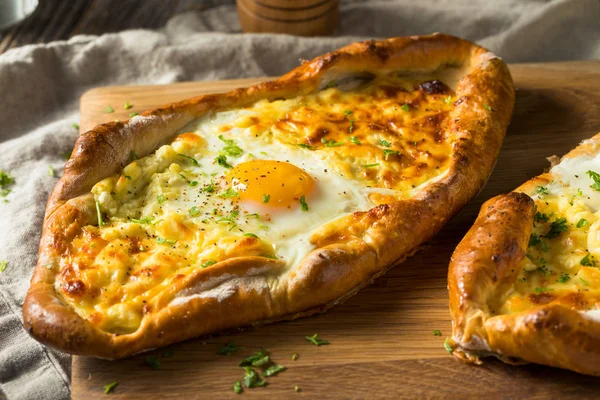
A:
(295, 17)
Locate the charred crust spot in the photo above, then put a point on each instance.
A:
(541, 298)
(392, 91)
(434, 87)
(74, 288)
(380, 52)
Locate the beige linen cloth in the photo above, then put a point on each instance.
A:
(40, 88)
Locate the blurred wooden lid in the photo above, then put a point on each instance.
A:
(295, 17)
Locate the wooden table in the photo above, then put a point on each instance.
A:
(382, 342)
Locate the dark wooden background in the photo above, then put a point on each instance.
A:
(62, 19)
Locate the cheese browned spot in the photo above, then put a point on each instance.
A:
(188, 205)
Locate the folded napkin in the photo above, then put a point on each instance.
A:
(40, 87)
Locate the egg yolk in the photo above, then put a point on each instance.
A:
(271, 183)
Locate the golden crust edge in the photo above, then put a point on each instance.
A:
(107, 148)
(553, 335)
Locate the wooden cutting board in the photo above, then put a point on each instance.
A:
(382, 342)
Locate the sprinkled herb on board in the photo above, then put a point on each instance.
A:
(153, 362)
(3, 265)
(228, 348)
(447, 345)
(237, 387)
(109, 387)
(127, 105)
(109, 110)
(437, 332)
(314, 339)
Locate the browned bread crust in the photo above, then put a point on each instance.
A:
(486, 263)
(348, 257)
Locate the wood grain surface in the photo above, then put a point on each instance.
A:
(382, 345)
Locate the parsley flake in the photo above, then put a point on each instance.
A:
(256, 360)
(230, 192)
(273, 370)
(295, 356)
(194, 211)
(314, 339)
(437, 332)
(539, 290)
(127, 105)
(145, 220)
(582, 222)
(596, 178)
(584, 281)
(564, 278)
(160, 198)
(540, 217)
(388, 152)
(230, 148)
(192, 160)
(109, 110)
(330, 143)
(384, 143)
(556, 228)
(222, 161)
(3, 265)
(51, 171)
(75, 125)
(160, 240)
(303, 204)
(405, 107)
(370, 165)
(133, 114)
(207, 263)
(587, 262)
(153, 362)
(252, 235)
(110, 387)
(228, 349)
(305, 146)
(487, 107)
(99, 213)
(132, 156)
(534, 239)
(448, 100)
(448, 346)
(252, 380)
(237, 387)
(541, 190)
(266, 198)
(354, 140)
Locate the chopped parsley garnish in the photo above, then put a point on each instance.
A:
(305, 146)
(3, 264)
(384, 143)
(5, 180)
(133, 114)
(192, 160)
(266, 198)
(354, 140)
(75, 125)
(534, 239)
(99, 213)
(252, 235)
(351, 127)
(295, 356)
(237, 387)
(51, 171)
(222, 161)
(273, 370)
(556, 228)
(542, 268)
(314, 339)
(127, 105)
(160, 198)
(587, 262)
(228, 349)
(230, 148)
(584, 281)
(145, 220)
(437, 332)
(109, 387)
(160, 240)
(303, 203)
(230, 192)
(447, 345)
(541, 190)
(210, 188)
(370, 165)
(127, 177)
(331, 84)
(596, 177)
(541, 217)
(256, 360)
(347, 113)
(133, 156)
(539, 290)
(448, 100)
(582, 222)
(487, 107)
(564, 278)
(109, 110)
(388, 152)
(207, 263)
(252, 380)
(330, 143)
(194, 211)
(405, 107)
(153, 362)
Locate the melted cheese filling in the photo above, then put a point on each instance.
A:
(256, 181)
(563, 256)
